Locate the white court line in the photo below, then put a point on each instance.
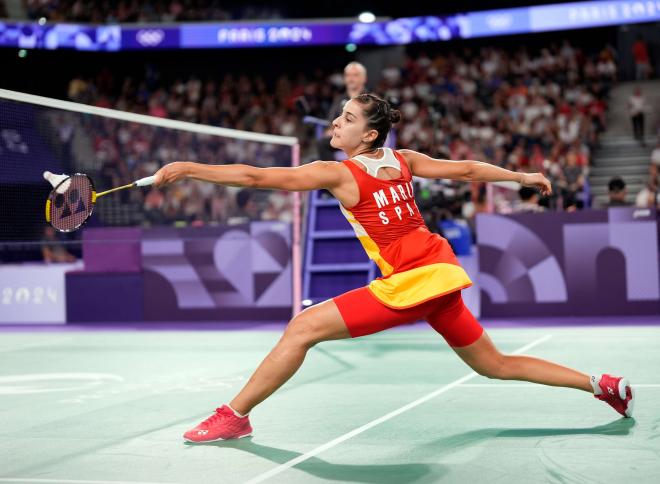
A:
(535, 385)
(73, 481)
(301, 458)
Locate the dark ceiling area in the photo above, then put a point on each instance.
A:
(351, 8)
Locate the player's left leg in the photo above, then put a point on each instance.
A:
(454, 321)
(468, 339)
(484, 358)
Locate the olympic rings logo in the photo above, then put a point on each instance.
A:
(150, 38)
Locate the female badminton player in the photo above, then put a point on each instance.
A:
(422, 278)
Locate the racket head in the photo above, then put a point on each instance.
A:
(71, 203)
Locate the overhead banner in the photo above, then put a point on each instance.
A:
(488, 23)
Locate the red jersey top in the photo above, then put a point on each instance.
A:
(416, 264)
(387, 209)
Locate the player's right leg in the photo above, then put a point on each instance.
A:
(321, 322)
(352, 314)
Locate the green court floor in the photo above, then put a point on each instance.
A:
(395, 407)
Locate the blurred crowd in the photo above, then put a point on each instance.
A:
(525, 111)
(130, 151)
(522, 110)
(126, 11)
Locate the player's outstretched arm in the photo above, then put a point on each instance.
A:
(469, 170)
(313, 176)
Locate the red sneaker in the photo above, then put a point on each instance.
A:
(618, 393)
(222, 425)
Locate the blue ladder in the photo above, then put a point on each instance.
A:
(335, 261)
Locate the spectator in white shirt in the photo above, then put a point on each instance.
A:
(636, 108)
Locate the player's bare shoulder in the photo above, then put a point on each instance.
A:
(334, 171)
(328, 165)
(344, 187)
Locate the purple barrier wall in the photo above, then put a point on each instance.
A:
(240, 272)
(112, 249)
(227, 273)
(104, 297)
(588, 263)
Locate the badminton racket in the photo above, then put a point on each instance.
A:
(72, 199)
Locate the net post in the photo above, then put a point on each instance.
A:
(296, 254)
(490, 198)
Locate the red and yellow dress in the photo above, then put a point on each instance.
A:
(421, 277)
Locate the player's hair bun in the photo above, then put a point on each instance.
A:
(379, 114)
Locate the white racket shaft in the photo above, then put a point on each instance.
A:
(146, 181)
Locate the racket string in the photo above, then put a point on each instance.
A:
(71, 203)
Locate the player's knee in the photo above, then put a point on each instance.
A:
(485, 370)
(301, 331)
(494, 368)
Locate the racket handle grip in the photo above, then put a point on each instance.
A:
(145, 182)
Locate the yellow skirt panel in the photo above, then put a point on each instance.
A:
(415, 286)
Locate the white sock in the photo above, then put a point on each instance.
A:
(236, 413)
(594, 383)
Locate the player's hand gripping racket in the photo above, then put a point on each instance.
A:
(71, 201)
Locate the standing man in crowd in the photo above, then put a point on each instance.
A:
(640, 52)
(355, 80)
(636, 108)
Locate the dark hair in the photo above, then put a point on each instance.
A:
(380, 116)
(243, 197)
(616, 184)
(526, 193)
